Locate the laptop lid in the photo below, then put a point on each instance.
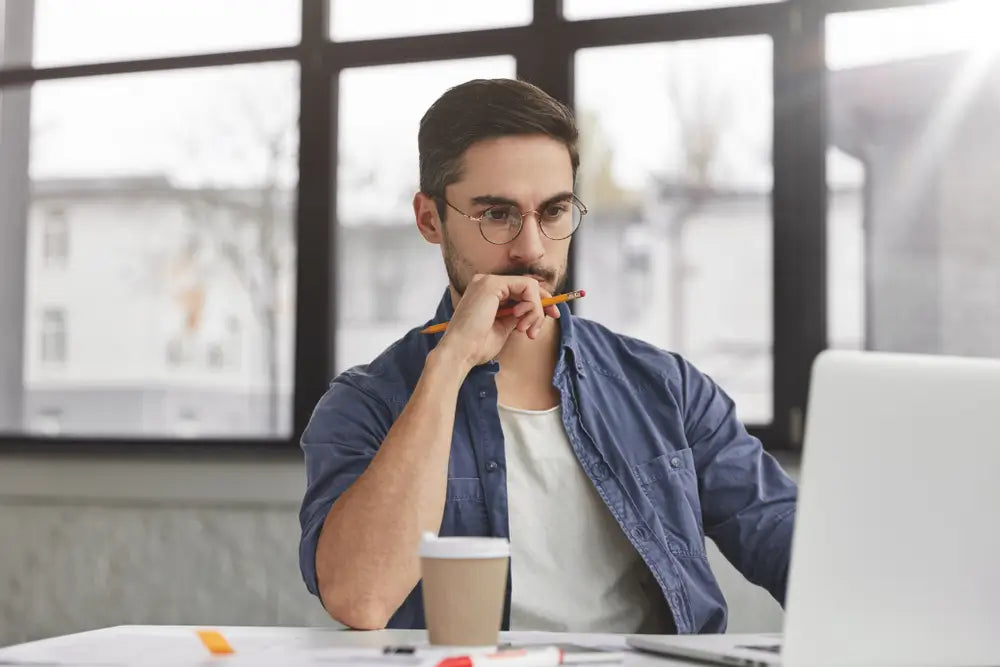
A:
(897, 537)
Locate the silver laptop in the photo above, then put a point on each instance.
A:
(896, 552)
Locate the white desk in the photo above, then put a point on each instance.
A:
(178, 645)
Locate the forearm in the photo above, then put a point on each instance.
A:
(366, 558)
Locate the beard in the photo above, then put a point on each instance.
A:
(457, 266)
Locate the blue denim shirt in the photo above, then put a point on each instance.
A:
(659, 440)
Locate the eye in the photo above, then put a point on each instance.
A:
(555, 211)
(497, 214)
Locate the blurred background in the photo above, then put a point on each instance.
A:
(205, 215)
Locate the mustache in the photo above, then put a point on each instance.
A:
(546, 274)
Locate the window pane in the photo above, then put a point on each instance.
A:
(676, 170)
(53, 336)
(389, 278)
(81, 31)
(160, 253)
(590, 9)
(875, 37)
(914, 244)
(371, 19)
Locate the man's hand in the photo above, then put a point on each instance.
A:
(475, 334)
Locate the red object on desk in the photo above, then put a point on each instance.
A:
(541, 657)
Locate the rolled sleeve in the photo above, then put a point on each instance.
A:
(344, 433)
(748, 502)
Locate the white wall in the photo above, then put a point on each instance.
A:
(92, 543)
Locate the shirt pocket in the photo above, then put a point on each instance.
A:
(670, 483)
(464, 509)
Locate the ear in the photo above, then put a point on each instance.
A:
(428, 221)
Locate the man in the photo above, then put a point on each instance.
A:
(605, 460)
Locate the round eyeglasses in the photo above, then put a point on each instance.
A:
(501, 223)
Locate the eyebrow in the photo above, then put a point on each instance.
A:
(496, 200)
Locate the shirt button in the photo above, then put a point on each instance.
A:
(491, 466)
(601, 472)
(675, 462)
(482, 394)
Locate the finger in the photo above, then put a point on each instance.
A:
(491, 284)
(523, 289)
(553, 312)
(524, 324)
(520, 290)
(536, 329)
(528, 309)
(537, 317)
(509, 324)
(522, 308)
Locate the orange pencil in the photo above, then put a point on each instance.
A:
(503, 312)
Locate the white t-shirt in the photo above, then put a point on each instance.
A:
(572, 568)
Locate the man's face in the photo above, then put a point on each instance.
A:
(530, 171)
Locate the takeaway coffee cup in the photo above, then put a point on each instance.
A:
(464, 580)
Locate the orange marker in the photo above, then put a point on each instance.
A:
(503, 312)
(215, 642)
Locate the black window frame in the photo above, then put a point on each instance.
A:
(544, 52)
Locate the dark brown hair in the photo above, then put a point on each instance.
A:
(485, 109)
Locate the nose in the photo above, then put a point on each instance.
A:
(529, 246)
